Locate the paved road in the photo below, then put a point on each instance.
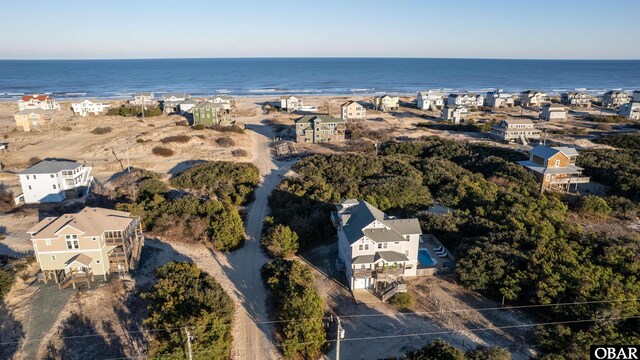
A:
(255, 341)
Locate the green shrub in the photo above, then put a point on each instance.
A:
(34, 160)
(66, 128)
(227, 230)
(228, 128)
(440, 350)
(7, 278)
(280, 241)
(182, 139)
(182, 123)
(140, 141)
(151, 112)
(198, 127)
(621, 141)
(225, 142)
(239, 152)
(186, 297)
(594, 206)
(403, 301)
(162, 151)
(101, 130)
(606, 118)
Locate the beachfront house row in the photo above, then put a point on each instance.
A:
(576, 99)
(375, 247)
(88, 107)
(555, 168)
(553, 112)
(636, 96)
(515, 130)
(226, 102)
(54, 181)
(35, 101)
(429, 100)
(187, 106)
(143, 99)
(532, 98)
(32, 119)
(207, 113)
(498, 99)
(352, 110)
(171, 102)
(94, 241)
(454, 113)
(630, 110)
(319, 129)
(386, 103)
(290, 103)
(466, 99)
(613, 99)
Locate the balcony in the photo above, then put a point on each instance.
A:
(571, 180)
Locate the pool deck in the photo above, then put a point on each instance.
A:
(429, 242)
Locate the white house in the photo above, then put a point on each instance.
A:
(630, 110)
(466, 99)
(225, 101)
(577, 99)
(374, 247)
(35, 101)
(290, 103)
(615, 98)
(553, 112)
(636, 95)
(187, 106)
(143, 99)
(54, 181)
(170, 101)
(88, 107)
(498, 99)
(532, 98)
(512, 130)
(454, 113)
(429, 100)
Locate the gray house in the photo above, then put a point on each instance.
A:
(514, 130)
(319, 129)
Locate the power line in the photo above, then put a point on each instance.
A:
(444, 332)
(341, 316)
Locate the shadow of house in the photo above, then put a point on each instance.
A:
(11, 332)
(81, 340)
(183, 166)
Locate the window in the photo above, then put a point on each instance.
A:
(27, 177)
(52, 176)
(48, 242)
(53, 258)
(366, 246)
(34, 177)
(548, 177)
(379, 246)
(406, 237)
(406, 252)
(54, 187)
(397, 242)
(557, 163)
(360, 247)
(362, 266)
(29, 187)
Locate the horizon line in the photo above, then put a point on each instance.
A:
(319, 57)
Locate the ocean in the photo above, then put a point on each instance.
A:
(118, 79)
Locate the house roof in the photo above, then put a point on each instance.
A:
(364, 214)
(31, 111)
(517, 122)
(177, 95)
(222, 97)
(189, 101)
(541, 169)
(35, 97)
(390, 256)
(546, 152)
(144, 94)
(554, 106)
(81, 259)
(323, 118)
(91, 221)
(351, 102)
(208, 104)
(50, 167)
(288, 97)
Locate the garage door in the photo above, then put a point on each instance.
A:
(360, 284)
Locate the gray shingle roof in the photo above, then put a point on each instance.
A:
(325, 118)
(364, 214)
(51, 166)
(546, 152)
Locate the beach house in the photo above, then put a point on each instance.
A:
(636, 95)
(515, 130)
(386, 103)
(352, 110)
(226, 102)
(290, 103)
(171, 102)
(466, 100)
(375, 249)
(73, 248)
(576, 99)
(498, 99)
(207, 113)
(613, 99)
(32, 119)
(630, 110)
(35, 101)
(144, 99)
(555, 168)
(88, 107)
(54, 181)
(454, 113)
(532, 98)
(429, 100)
(319, 129)
(553, 112)
(187, 106)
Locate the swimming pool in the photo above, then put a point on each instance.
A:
(425, 258)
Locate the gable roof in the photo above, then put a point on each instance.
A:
(546, 152)
(91, 221)
(81, 259)
(51, 166)
(176, 95)
(35, 97)
(363, 214)
(351, 102)
(150, 94)
(207, 104)
(324, 118)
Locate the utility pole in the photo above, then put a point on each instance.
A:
(126, 144)
(188, 343)
(339, 336)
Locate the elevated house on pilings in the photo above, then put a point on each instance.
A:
(74, 248)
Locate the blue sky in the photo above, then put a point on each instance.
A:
(558, 29)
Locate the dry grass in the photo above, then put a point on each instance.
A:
(239, 152)
(225, 142)
(66, 128)
(182, 139)
(162, 151)
(101, 130)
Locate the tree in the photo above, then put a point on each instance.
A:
(435, 350)
(485, 353)
(280, 241)
(594, 206)
(7, 278)
(227, 230)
